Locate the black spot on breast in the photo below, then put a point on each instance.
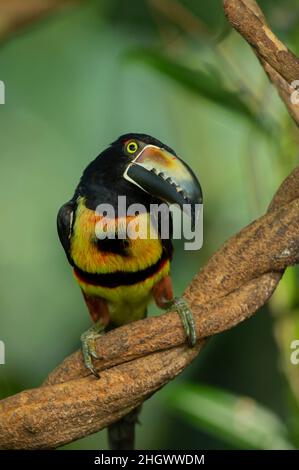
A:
(116, 246)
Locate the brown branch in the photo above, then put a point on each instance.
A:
(138, 359)
(19, 14)
(279, 63)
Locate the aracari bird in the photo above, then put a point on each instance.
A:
(120, 275)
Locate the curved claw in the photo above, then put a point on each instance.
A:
(87, 358)
(88, 341)
(182, 307)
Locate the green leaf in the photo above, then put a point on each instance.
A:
(237, 420)
(203, 84)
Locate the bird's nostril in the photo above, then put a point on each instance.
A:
(183, 194)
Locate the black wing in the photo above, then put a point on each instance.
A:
(167, 248)
(65, 222)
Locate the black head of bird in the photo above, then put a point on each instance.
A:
(142, 168)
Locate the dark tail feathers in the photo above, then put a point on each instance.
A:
(121, 434)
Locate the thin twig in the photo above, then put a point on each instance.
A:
(279, 63)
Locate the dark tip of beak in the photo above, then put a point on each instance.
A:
(167, 190)
(155, 184)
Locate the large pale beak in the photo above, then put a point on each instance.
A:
(166, 177)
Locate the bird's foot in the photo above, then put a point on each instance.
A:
(88, 341)
(182, 307)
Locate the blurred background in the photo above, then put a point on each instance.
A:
(77, 75)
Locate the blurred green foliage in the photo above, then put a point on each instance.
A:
(237, 420)
(70, 91)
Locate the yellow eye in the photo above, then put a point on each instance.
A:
(132, 147)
